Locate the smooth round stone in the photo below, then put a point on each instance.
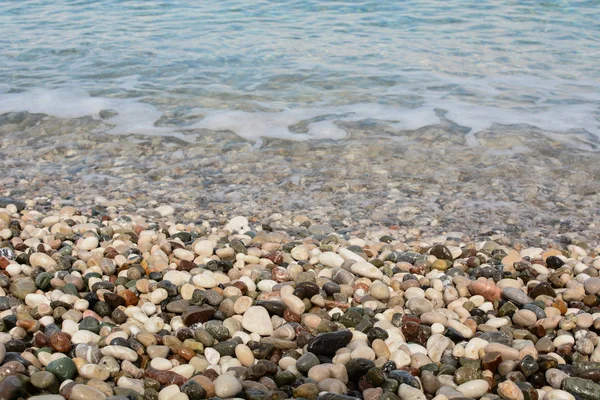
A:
(242, 304)
(525, 318)
(204, 248)
(557, 394)
(555, 377)
(165, 210)
(366, 269)
(516, 295)
(22, 287)
(227, 386)
(407, 392)
(94, 371)
(44, 261)
(47, 397)
(331, 259)
(158, 295)
(437, 328)
(168, 392)
(244, 355)
(509, 390)
(363, 352)
(129, 383)
(256, 319)
(88, 243)
(43, 379)
(295, 304)
(63, 368)
(299, 253)
(238, 224)
(161, 364)
(204, 280)
(507, 353)
(85, 392)
(475, 388)
(592, 285)
(154, 351)
(184, 254)
(380, 291)
(419, 305)
(184, 370)
(120, 353)
(474, 346)
(212, 356)
(306, 362)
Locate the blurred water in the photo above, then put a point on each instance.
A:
(260, 67)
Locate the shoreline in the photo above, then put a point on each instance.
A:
(519, 182)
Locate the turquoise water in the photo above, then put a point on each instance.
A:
(263, 68)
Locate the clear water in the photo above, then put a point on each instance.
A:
(302, 69)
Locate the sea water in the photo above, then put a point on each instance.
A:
(303, 70)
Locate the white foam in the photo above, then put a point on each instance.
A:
(325, 121)
(132, 116)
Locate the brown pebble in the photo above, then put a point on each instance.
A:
(165, 378)
(61, 342)
(491, 361)
(560, 305)
(210, 374)
(290, 316)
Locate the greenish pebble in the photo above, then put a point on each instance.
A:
(64, 368)
(390, 385)
(217, 330)
(584, 388)
(42, 280)
(376, 376)
(89, 324)
(69, 288)
(507, 309)
(350, 319)
(43, 379)
(22, 287)
(284, 378)
(465, 374)
(306, 362)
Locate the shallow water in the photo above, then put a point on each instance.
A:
(304, 69)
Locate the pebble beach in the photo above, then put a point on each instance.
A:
(312, 200)
(98, 302)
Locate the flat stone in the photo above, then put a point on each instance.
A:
(64, 368)
(85, 392)
(475, 388)
(195, 314)
(328, 343)
(407, 392)
(592, 285)
(583, 388)
(509, 390)
(366, 269)
(516, 295)
(256, 319)
(227, 386)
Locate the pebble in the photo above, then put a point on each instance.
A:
(227, 386)
(366, 269)
(475, 388)
(510, 391)
(256, 319)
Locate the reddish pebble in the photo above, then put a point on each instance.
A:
(61, 342)
(487, 289)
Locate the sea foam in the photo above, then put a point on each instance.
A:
(133, 116)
